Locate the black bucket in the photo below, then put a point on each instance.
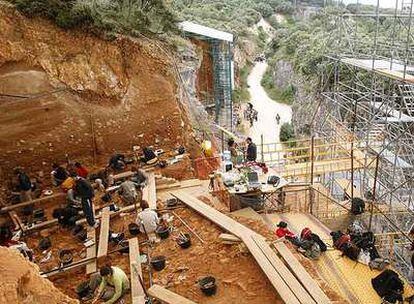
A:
(65, 257)
(45, 243)
(82, 235)
(208, 285)
(124, 246)
(184, 243)
(133, 229)
(171, 202)
(82, 290)
(163, 232)
(158, 262)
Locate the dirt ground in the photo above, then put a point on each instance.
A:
(238, 276)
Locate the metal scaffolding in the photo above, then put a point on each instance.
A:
(368, 100)
(221, 52)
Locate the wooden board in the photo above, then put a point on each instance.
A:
(137, 292)
(284, 272)
(182, 184)
(91, 252)
(38, 200)
(149, 193)
(303, 276)
(229, 238)
(123, 175)
(166, 296)
(104, 233)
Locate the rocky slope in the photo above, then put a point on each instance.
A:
(20, 282)
(69, 93)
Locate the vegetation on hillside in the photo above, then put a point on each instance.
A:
(236, 16)
(117, 16)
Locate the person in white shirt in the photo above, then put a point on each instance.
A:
(147, 219)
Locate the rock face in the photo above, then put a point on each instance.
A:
(20, 282)
(69, 92)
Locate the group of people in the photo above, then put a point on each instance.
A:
(308, 243)
(248, 153)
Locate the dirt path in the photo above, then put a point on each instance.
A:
(266, 107)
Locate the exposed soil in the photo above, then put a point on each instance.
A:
(70, 93)
(205, 81)
(21, 283)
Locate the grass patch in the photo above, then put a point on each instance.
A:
(285, 95)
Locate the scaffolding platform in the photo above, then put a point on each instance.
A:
(352, 280)
(385, 67)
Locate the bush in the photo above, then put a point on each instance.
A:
(287, 132)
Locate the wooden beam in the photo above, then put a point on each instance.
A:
(38, 200)
(302, 275)
(167, 296)
(229, 238)
(17, 221)
(123, 175)
(104, 233)
(283, 271)
(91, 252)
(149, 193)
(137, 292)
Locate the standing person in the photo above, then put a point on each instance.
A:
(232, 147)
(81, 170)
(278, 118)
(24, 184)
(128, 191)
(84, 190)
(59, 174)
(117, 280)
(251, 152)
(147, 220)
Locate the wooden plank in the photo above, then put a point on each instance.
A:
(91, 252)
(284, 272)
(123, 175)
(229, 238)
(182, 185)
(16, 221)
(35, 201)
(167, 296)
(149, 193)
(303, 276)
(278, 283)
(137, 292)
(104, 233)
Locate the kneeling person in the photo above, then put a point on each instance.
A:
(116, 279)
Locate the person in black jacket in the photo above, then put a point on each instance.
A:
(251, 153)
(24, 185)
(59, 174)
(84, 190)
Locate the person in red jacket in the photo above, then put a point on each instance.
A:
(81, 170)
(283, 231)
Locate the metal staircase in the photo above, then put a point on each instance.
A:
(407, 95)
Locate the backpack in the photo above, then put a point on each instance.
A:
(358, 206)
(351, 251)
(321, 243)
(388, 285)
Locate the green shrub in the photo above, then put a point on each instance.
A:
(287, 132)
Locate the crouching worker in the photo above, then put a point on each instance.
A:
(147, 220)
(311, 244)
(113, 284)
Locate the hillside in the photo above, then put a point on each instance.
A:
(53, 81)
